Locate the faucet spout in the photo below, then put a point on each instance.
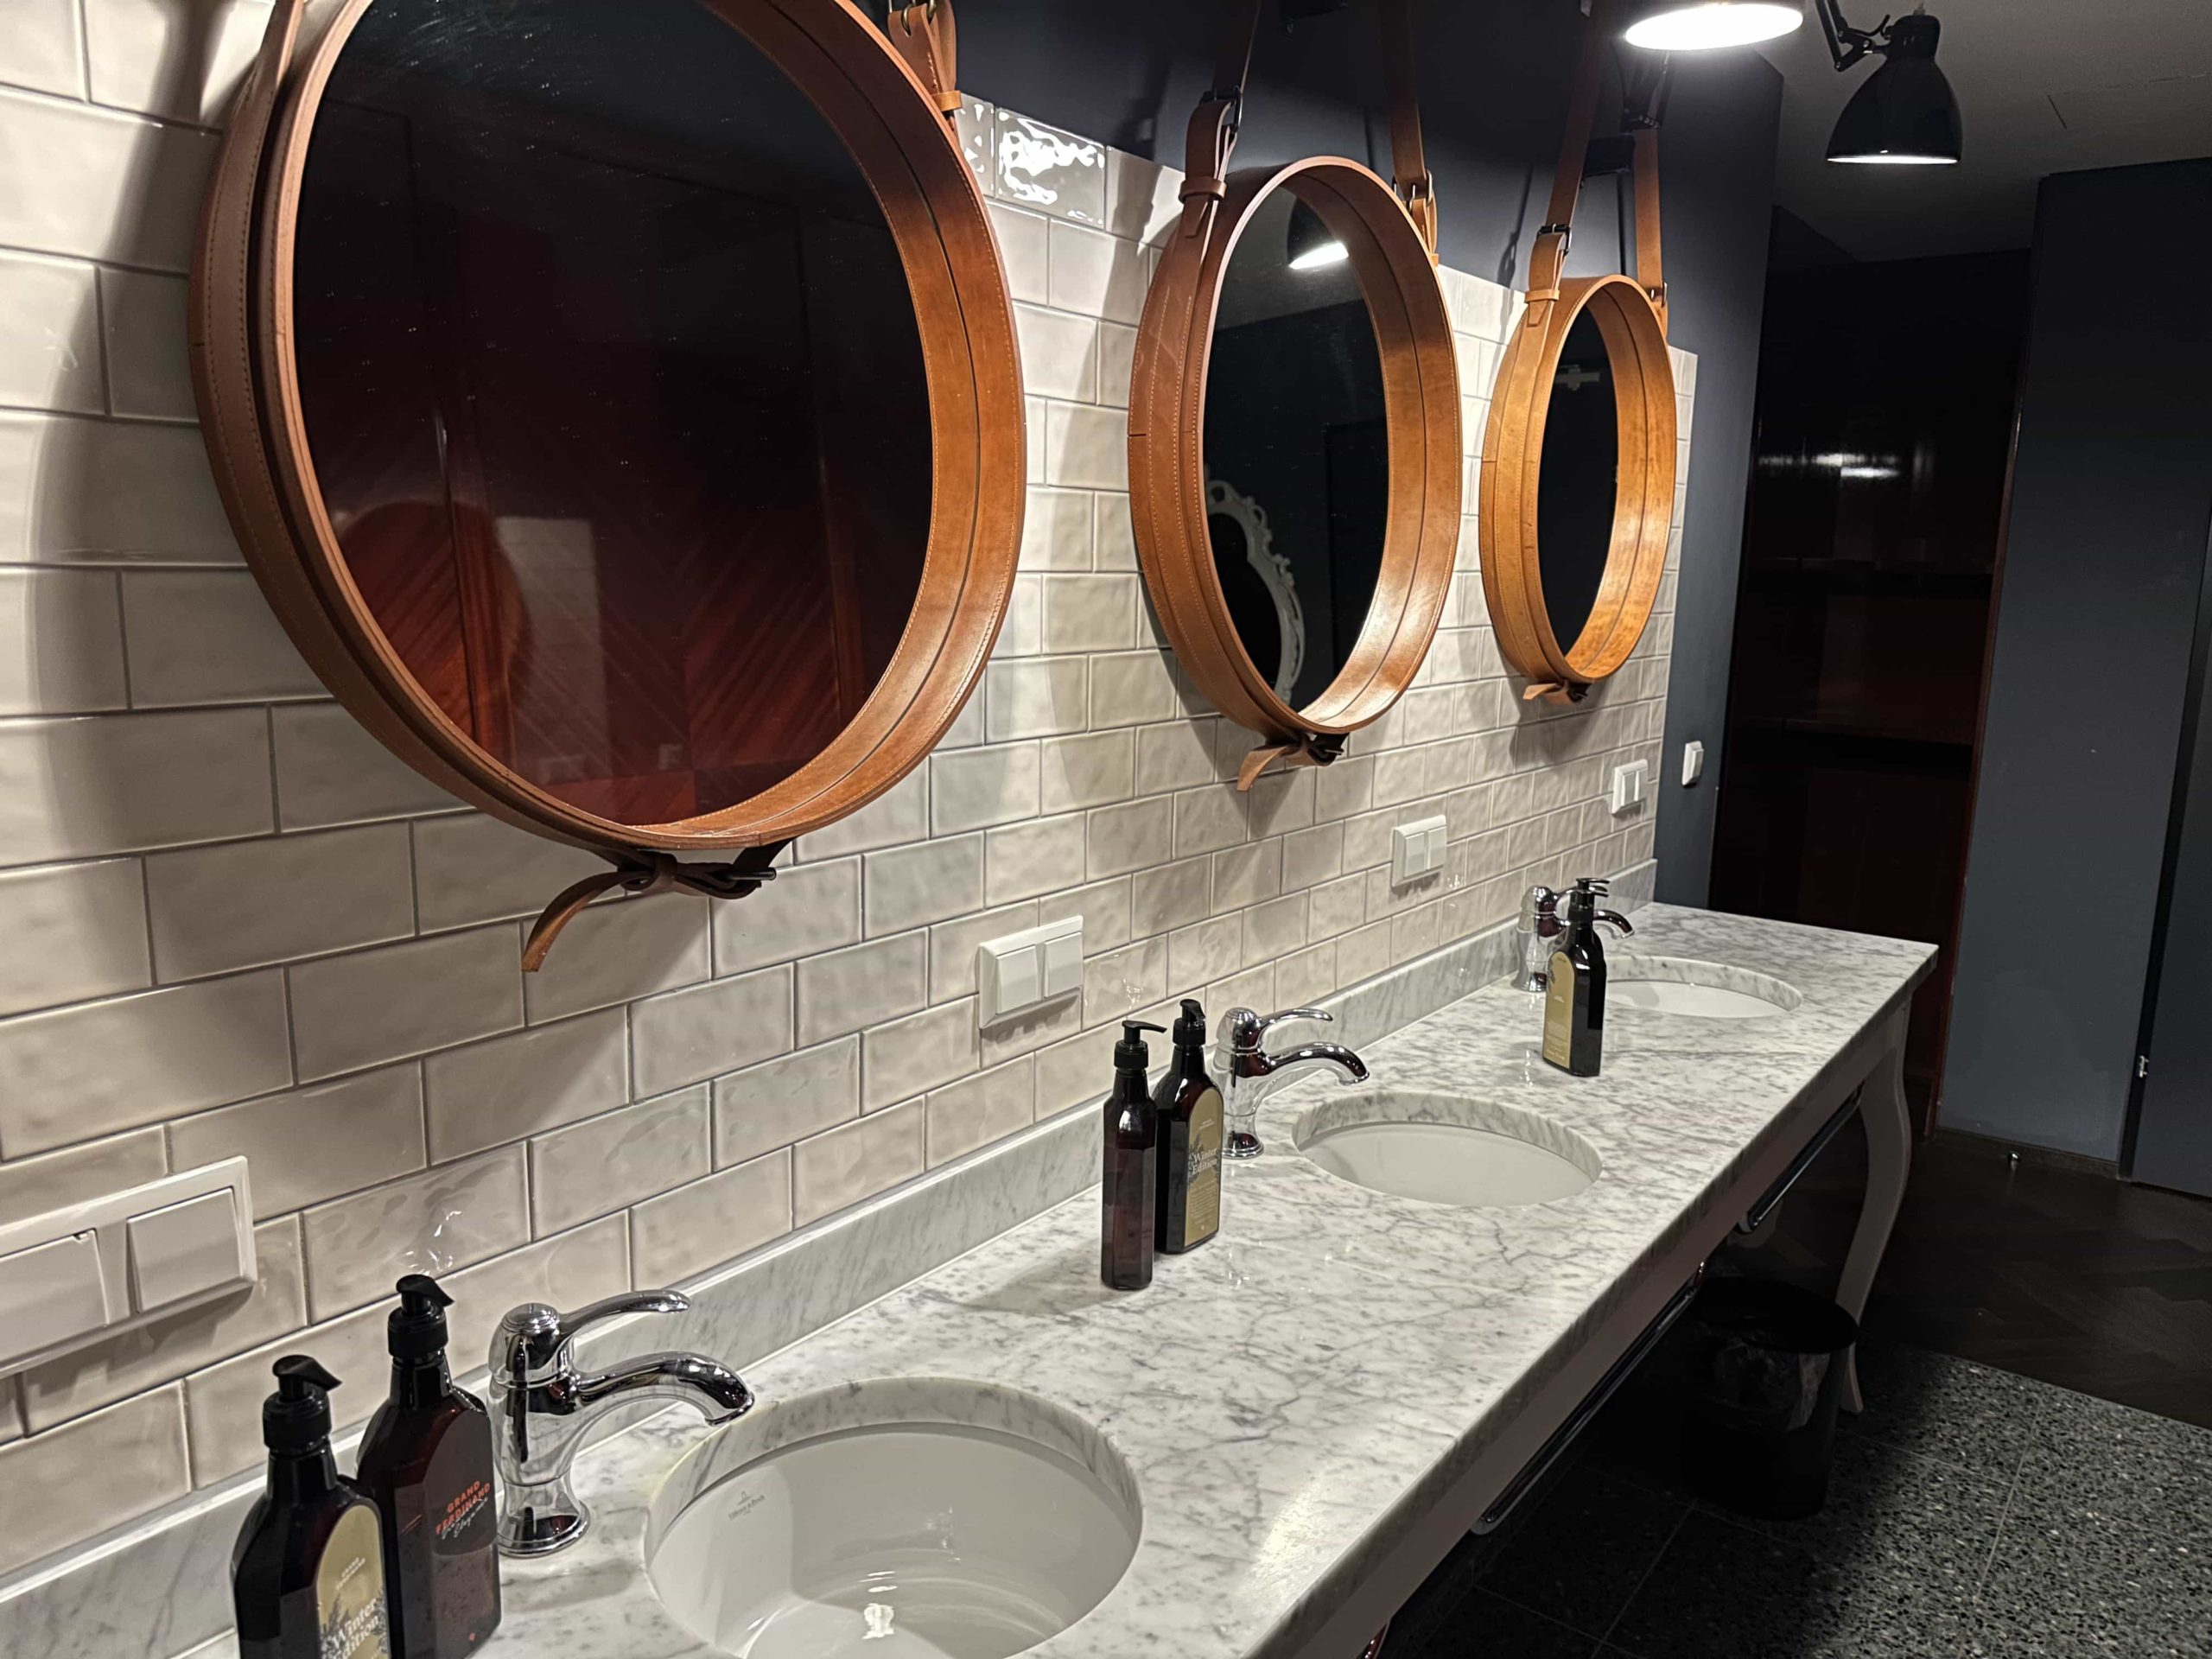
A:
(711, 1389)
(1354, 1069)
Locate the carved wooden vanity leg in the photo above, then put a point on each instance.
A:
(1889, 1161)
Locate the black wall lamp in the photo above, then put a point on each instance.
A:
(1906, 114)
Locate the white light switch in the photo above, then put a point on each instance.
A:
(1628, 786)
(182, 1251)
(1416, 850)
(1025, 970)
(1063, 954)
(1693, 762)
(52, 1294)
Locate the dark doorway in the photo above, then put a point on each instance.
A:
(1885, 422)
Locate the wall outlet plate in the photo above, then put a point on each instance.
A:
(1027, 970)
(82, 1273)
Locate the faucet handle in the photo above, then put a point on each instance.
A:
(1271, 1020)
(535, 1335)
(1242, 1030)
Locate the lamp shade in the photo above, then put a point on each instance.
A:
(1699, 25)
(1906, 114)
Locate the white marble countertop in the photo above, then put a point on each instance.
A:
(1293, 1396)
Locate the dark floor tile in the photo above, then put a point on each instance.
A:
(2146, 1471)
(1581, 1556)
(1892, 1511)
(1485, 1626)
(1431, 1607)
(2071, 1583)
(1971, 1416)
(1721, 1589)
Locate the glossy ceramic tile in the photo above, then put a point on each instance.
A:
(306, 1145)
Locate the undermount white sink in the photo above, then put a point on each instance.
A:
(1700, 990)
(1446, 1148)
(900, 1518)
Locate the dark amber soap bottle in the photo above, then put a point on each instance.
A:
(1132, 1154)
(1188, 1105)
(1574, 1000)
(426, 1461)
(306, 1576)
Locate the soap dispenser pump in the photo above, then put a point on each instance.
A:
(1188, 1103)
(306, 1576)
(1127, 1195)
(426, 1460)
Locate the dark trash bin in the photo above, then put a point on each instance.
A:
(1767, 1376)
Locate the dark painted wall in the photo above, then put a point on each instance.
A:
(1494, 82)
(2097, 603)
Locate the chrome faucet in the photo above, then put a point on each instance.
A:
(1541, 924)
(542, 1405)
(1243, 1061)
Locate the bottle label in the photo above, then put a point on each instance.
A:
(349, 1605)
(449, 1578)
(1202, 1191)
(1559, 1011)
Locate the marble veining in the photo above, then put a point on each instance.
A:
(1291, 1398)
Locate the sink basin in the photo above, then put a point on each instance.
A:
(900, 1518)
(1700, 990)
(1446, 1148)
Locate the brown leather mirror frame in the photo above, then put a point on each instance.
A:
(889, 101)
(1389, 235)
(1631, 315)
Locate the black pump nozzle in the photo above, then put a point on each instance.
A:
(1191, 1028)
(1130, 1054)
(417, 1329)
(296, 1418)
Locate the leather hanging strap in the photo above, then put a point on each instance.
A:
(1410, 173)
(923, 36)
(650, 873)
(1309, 749)
(1548, 259)
(1212, 132)
(1650, 270)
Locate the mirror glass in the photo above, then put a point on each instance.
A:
(1297, 446)
(1580, 479)
(612, 391)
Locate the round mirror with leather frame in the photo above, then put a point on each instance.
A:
(1577, 496)
(617, 400)
(1294, 447)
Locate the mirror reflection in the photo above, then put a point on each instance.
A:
(1297, 450)
(613, 389)
(1580, 479)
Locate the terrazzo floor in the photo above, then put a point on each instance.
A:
(1971, 1515)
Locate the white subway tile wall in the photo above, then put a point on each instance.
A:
(231, 924)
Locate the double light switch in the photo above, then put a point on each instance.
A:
(1416, 850)
(1026, 969)
(78, 1274)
